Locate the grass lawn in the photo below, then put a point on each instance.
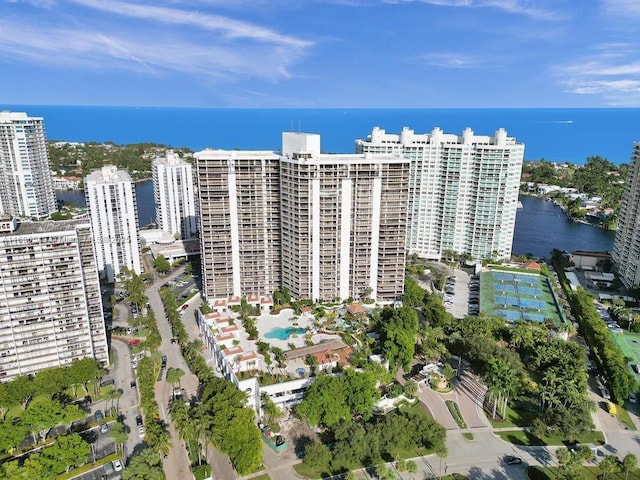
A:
(519, 437)
(513, 418)
(586, 473)
(415, 408)
(624, 417)
(454, 410)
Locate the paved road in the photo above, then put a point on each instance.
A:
(129, 402)
(176, 464)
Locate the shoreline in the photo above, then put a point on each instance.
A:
(564, 210)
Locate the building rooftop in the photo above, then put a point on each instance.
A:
(109, 174)
(170, 159)
(47, 226)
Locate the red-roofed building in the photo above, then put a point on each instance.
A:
(234, 301)
(532, 266)
(306, 310)
(220, 304)
(253, 299)
(356, 309)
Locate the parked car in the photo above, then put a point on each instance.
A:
(511, 460)
(98, 415)
(133, 384)
(164, 361)
(141, 431)
(636, 367)
(632, 398)
(139, 420)
(104, 428)
(117, 465)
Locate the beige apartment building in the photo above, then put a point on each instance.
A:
(343, 222)
(50, 303)
(239, 198)
(626, 248)
(323, 226)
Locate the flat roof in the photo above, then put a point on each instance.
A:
(46, 226)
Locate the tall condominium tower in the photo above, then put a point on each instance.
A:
(26, 186)
(50, 305)
(626, 247)
(463, 190)
(239, 200)
(111, 202)
(343, 222)
(174, 196)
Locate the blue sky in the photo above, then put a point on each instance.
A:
(321, 53)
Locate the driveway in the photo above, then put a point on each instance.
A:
(470, 392)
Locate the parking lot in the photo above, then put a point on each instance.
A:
(458, 299)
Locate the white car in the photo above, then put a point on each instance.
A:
(141, 431)
(117, 465)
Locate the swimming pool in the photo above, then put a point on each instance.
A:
(283, 333)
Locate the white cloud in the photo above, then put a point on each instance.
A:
(150, 40)
(622, 7)
(526, 8)
(612, 73)
(231, 28)
(450, 60)
(141, 52)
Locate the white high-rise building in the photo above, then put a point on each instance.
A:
(26, 185)
(174, 196)
(50, 304)
(344, 221)
(463, 191)
(111, 202)
(626, 248)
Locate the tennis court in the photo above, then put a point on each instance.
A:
(518, 296)
(629, 343)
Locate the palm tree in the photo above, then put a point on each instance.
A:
(609, 465)
(629, 464)
(174, 375)
(119, 436)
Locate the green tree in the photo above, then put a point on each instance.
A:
(608, 466)
(144, 465)
(411, 388)
(119, 436)
(385, 473)
(414, 295)
(67, 451)
(174, 375)
(21, 390)
(42, 415)
(161, 264)
(317, 456)
(50, 381)
(82, 372)
(503, 381)
(629, 464)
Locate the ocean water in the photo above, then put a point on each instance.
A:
(559, 135)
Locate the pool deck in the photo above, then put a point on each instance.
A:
(266, 322)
